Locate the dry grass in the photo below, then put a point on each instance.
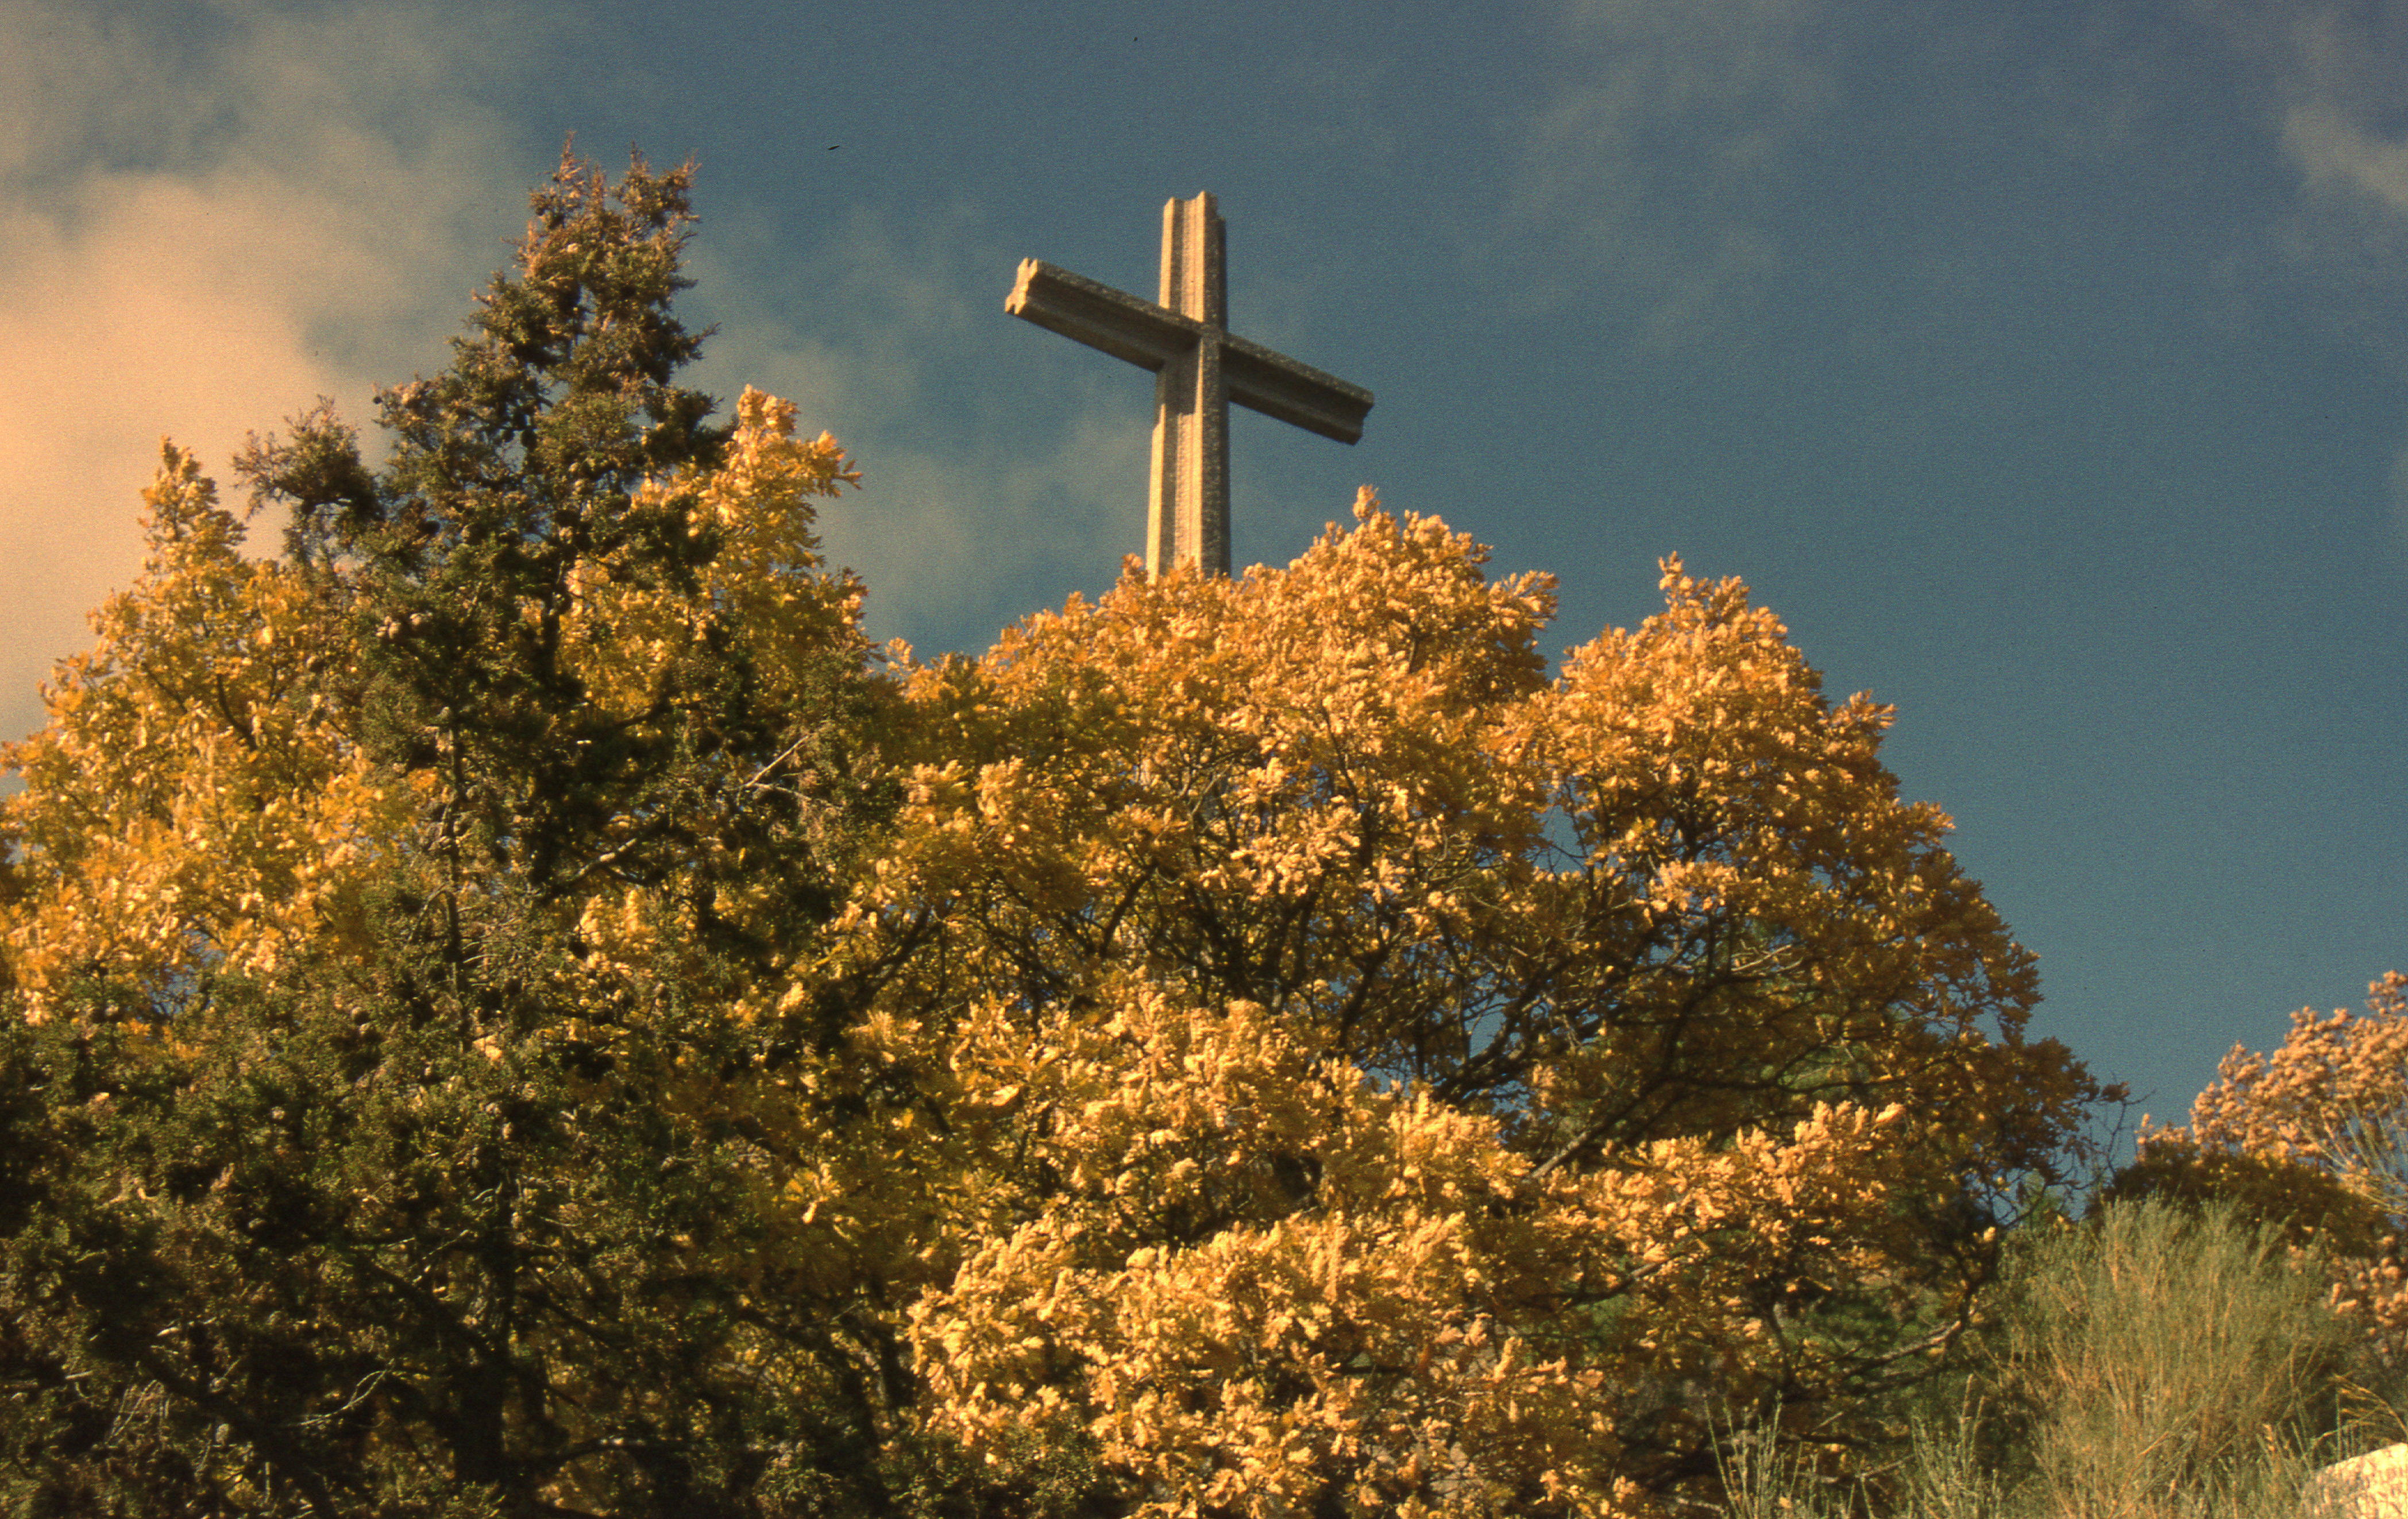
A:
(2150, 1365)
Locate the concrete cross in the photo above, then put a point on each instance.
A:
(1200, 369)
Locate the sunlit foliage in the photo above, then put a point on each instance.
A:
(196, 801)
(2314, 1136)
(1383, 1076)
(389, 1129)
(520, 1009)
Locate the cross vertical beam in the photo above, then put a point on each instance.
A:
(1187, 490)
(1199, 368)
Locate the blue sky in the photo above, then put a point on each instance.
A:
(2041, 365)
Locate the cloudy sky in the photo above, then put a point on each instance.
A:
(2043, 365)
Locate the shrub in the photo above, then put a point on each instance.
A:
(2153, 1362)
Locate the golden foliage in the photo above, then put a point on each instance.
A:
(624, 636)
(1240, 1341)
(1288, 1044)
(202, 807)
(2315, 1132)
(196, 800)
(1375, 1073)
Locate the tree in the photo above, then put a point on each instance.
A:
(394, 1133)
(1379, 1075)
(208, 715)
(2309, 1137)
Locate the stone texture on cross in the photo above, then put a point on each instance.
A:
(1199, 368)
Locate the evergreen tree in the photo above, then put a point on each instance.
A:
(385, 1130)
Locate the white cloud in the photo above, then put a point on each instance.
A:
(210, 215)
(2339, 85)
(2336, 83)
(1646, 169)
(2332, 78)
(887, 331)
(2347, 156)
(212, 220)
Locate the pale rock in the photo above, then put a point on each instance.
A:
(2370, 1486)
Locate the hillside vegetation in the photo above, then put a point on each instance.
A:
(516, 1006)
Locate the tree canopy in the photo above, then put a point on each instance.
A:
(517, 1006)
(2309, 1137)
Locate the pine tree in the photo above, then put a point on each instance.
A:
(387, 1132)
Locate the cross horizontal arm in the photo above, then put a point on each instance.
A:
(1095, 314)
(1151, 335)
(1295, 393)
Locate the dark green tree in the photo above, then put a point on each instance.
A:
(413, 1160)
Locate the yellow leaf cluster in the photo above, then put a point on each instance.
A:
(2326, 1107)
(1258, 1279)
(1383, 1075)
(195, 801)
(626, 634)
